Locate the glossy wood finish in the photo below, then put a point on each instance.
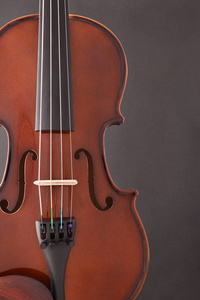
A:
(110, 259)
(22, 288)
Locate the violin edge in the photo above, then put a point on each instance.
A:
(146, 250)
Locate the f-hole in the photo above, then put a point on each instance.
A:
(4, 154)
(108, 200)
(21, 184)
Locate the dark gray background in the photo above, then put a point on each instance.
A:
(157, 149)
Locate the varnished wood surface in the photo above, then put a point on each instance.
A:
(110, 259)
(22, 288)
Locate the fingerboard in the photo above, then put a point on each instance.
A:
(54, 103)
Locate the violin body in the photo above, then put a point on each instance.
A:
(110, 258)
(22, 288)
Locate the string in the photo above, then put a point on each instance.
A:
(41, 89)
(51, 57)
(69, 111)
(60, 96)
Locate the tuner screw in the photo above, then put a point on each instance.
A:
(71, 244)
(52, 245)
(62, 244)
(43, 245)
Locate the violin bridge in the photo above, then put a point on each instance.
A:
(56, 182)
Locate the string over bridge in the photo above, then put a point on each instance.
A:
(56, 182)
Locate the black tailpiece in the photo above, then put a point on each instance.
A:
(56, 245)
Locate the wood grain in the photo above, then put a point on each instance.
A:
(22, 288)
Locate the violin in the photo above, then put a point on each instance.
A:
(63, 221)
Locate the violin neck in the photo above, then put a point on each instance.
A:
(54, 105)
